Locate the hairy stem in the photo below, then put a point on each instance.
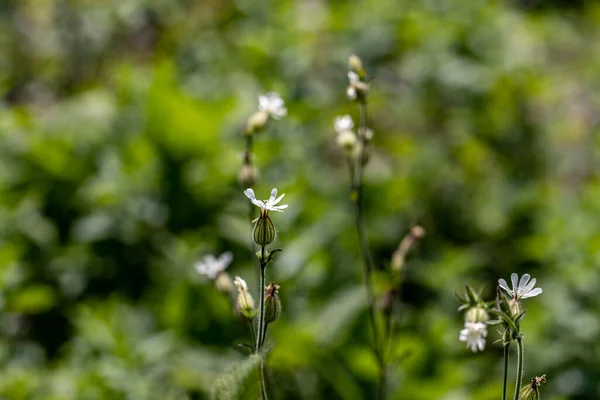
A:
(505, 383)
(357, 194)
(519, 367)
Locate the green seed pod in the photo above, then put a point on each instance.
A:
(248, 175)
(272, 303)
(264, 230)
(477, 314)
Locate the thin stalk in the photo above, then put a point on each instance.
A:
(261, 305)
(357, 194)
(505, 383)
(519, 367)
(261, 322)
(252, 331)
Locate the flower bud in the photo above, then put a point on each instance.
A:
(476, 314)
(272, 303)
(257, 122)
(245, 302)
(248, 175)
(355, 65)
(515, 307)
(264, 230)
(346, 140)
(224, 283)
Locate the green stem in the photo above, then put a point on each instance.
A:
(519, 367)
(357, 194)
(261, 323)
(505, 384)
(261, 305)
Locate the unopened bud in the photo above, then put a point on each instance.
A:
(346, 140)
(515, 307)
(257, 122)
(264, 230)
(248, 175)
(355, 65)
(476, 314)
(245, 302)
(224, 283)
(399, 256)
(272, 303)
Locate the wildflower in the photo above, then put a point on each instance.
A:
(476, 314)
(264, 230)
(343, 123)
(354, 79)
(272, 303)
(266, 205)
(356, 88)
(346, 138)
(272, 104)
(211, 267)
(245, 302)
(524, 290)
(474, 335)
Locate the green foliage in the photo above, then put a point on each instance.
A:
(121, 139)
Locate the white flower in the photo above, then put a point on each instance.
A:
(523, 290)
(273, 104)
(240, 284)
(354, 80)
(211, 266)
(343, 123)
(267, 204)
(474, 335)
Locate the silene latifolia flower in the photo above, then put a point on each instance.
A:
(474, 335)
(245, 302)
(270, 105)
(524, 289)
(357, 88)
(211, 267)
(346, 138)
(264, 230)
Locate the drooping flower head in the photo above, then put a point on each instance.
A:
(474, 335)
(346, 138)
(211, 267)
(523, 290)
(272, 104)
(353, 79)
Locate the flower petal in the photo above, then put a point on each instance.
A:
(530, 286)
(523, 281)
(250, 194)
(225, 259)
(277, 200)
(502, 283)
(273, 195)
(514, 278)
(533, 293)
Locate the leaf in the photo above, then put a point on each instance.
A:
(231, 384)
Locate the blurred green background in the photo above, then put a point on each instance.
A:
(120, 144)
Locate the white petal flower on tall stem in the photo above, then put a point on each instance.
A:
(211, 267)
(353, 78)
(272, 104)
(343, 123)
(266, 205)
(240, 284)
(474, 335)
(524, 289)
